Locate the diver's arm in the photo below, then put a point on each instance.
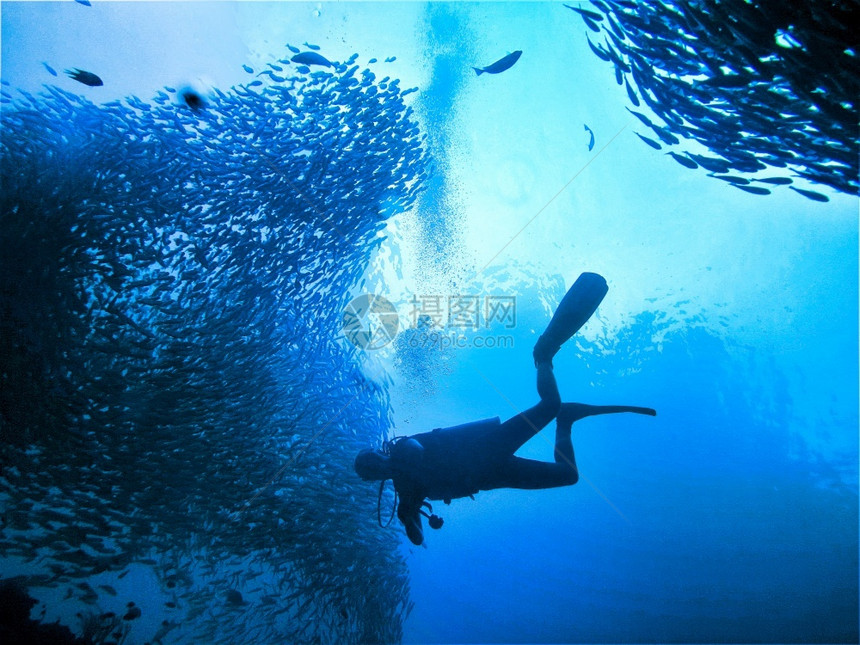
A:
(406, 457)
(409, 512)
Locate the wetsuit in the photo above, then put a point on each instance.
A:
(450, 463)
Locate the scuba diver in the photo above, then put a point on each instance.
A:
(449, 463)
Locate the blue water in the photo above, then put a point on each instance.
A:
(730, 517)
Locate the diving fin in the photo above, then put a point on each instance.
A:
(573, 412)
(577, 306)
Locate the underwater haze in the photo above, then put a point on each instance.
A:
(239, 242)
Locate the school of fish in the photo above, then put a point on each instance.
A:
(762, 84)
(173, 394)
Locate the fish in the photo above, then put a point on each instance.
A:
(504, 63)
(314, 47)
(811, 194)
(590, 18)
(727, 81)
(248, 69)
(755, 190)
(233, 597)
(590, 137)
(585, 13)
(295, 50)
(650, 142)
(738, 181)
(50, 69)
(630, 93)
(87, 78)
(615, 27)
(166, 627)
(272, 76)
(644, 119)
(86, 3)
(711, 163)
(616, 59)
(311, 58)
(684, 161)
(601, 53)
(391, 59)
(665, 135)
(132, 613)
(777, 181)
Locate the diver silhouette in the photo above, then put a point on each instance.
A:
(449, 463)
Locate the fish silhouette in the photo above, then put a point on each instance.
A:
(811, 194)
(500, 65)
(311, 58)
(87, 78)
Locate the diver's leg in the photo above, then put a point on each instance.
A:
(563, 452)
(514, 432)
(529, 474)
(532, 475)
(575, 411)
